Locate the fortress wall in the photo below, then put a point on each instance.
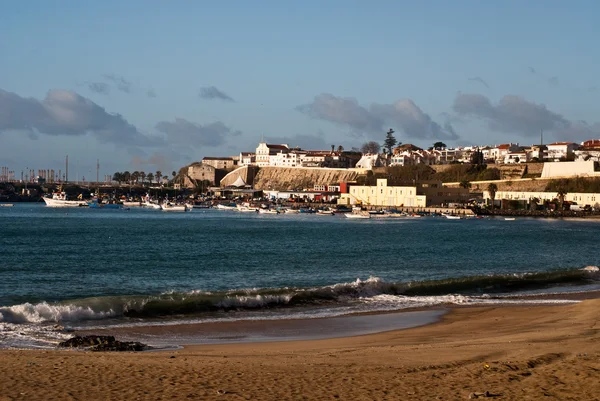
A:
(282, 178)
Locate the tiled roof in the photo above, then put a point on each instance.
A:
(279, 147)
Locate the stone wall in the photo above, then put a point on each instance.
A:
(285, 179)
(247, 173)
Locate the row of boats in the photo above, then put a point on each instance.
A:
(354, 213)
(59, 199)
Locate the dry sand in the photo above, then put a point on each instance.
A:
(514, 353)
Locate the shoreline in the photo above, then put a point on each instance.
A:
(513, 352)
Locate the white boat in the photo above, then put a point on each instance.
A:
(59, 199)
(509, 218)
(268, 211)
(357, 215)
(6, 205)
(452, 217)
(169, 207)
(226, 207)
(245, 208)
(151, 205)
(290, 211)
(325, 212)
(131, 203)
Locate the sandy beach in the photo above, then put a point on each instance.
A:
(510, 352)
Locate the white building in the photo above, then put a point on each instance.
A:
(247, 159)
(560, 151)
(286, 159)
(264, 151)
(580, 198)
(516, 157)
(383, 195)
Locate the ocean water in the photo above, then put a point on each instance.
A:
(85, 268)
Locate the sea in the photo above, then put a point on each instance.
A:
(79, 269)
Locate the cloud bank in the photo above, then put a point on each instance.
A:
(212, 93)
(64, 112)
(182, 131)
(514, 114)
(405, 114)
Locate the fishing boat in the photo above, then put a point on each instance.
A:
(221, 206)
(359, 215)
(59, 199)
(245, 207)
(267, 211)
(325, 212)
(98, 204)
(169, 207)
(151, 205)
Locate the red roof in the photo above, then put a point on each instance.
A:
(504, 146)
(562, 143)
(592, 143)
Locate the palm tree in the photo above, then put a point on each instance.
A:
(127, 176)
(465, 184)
(150, 178)
(158, 176)
(143, 176)
(492, 189)
(135, 176)
(118, 177)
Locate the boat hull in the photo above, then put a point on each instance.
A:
(64, 203)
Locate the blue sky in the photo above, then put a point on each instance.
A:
(147, 85)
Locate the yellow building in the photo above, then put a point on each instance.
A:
(382, 195)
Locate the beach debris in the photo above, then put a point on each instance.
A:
(102, 343)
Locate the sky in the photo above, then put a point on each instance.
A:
(155, 85)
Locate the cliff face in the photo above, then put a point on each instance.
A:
(284, 179)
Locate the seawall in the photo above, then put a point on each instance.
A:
(288, 179)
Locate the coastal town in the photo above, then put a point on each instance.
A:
(556, 176)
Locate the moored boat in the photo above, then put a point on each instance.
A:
(357, 215)
(169, 207)
(59, 199)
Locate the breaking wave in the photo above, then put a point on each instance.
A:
(172, 304)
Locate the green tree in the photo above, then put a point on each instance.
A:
(492, 189)
(150, 178)
(126, 177)
(477, 158)
(439, 146)
(135, 176)
(390, 141)
(143, 177)
(158, 175)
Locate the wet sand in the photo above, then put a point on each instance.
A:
(512, 352)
